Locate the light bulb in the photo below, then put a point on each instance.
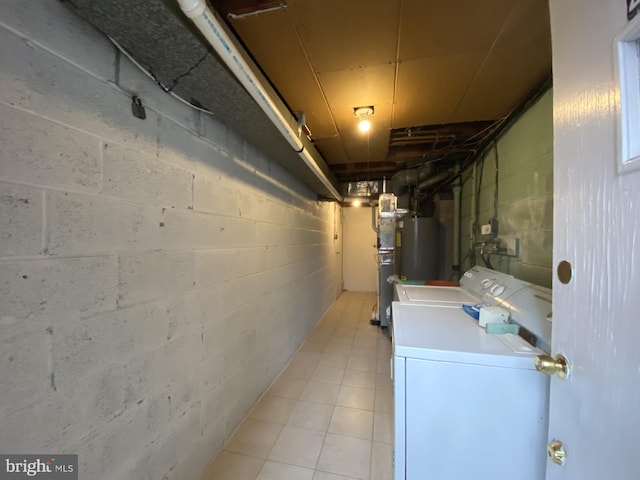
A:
(364, 125)
(357, 203)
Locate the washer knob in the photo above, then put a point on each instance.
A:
(497, 290)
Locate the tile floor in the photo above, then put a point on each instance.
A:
(329, 414)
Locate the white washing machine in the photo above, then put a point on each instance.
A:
(477, 285)
(469, 404)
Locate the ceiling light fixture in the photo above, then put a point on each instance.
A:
(363, 113)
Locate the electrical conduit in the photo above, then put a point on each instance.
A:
(207, 22)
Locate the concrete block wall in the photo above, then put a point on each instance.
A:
(525, 194)
(156, 274)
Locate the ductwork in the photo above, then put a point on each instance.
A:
(440, 177)
(425, 172)
(421, 178)
(247, 74)
(403, 179)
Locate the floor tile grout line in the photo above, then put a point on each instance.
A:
(324, 439)
(264, 394)
(308, 379)
(288, 418)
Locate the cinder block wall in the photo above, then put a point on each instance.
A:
(524, 155)
(156, 275)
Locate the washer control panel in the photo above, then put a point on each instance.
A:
(529, 304)
(490, 286)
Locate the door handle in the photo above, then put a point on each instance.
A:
(552, 366)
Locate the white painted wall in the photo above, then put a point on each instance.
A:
(155, 277)
(359, 265)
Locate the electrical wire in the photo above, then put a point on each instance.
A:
(153, 77)
(495, 196)
(489, 128)
(480, 167)
(188, 72)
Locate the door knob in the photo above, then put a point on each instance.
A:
(552, 366)
(556, 453)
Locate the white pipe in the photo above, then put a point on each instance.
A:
(215, 33)
(456, 229)
(374, 216)
(472, 216)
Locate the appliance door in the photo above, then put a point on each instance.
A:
(467, 404)
(468, 421)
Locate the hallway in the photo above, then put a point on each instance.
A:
(329, 415)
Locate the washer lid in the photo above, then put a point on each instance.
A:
(429, 332)
(425, 294)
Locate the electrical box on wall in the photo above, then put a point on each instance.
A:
(489, 228)
(510, 246)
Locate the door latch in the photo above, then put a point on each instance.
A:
(556, 453)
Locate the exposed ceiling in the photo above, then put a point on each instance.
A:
(437, 72)
(441, 75)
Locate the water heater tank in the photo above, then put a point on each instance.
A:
(419, 249)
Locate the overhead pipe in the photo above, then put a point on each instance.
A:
(440, 177)
(410, 177)
(425, 171)
(213, 30)
(473, 217)
(402, 179)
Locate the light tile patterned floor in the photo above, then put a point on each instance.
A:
(329, 414)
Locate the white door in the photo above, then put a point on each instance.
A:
(595, 412)
(360, 270)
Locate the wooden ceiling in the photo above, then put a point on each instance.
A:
(438, 73)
